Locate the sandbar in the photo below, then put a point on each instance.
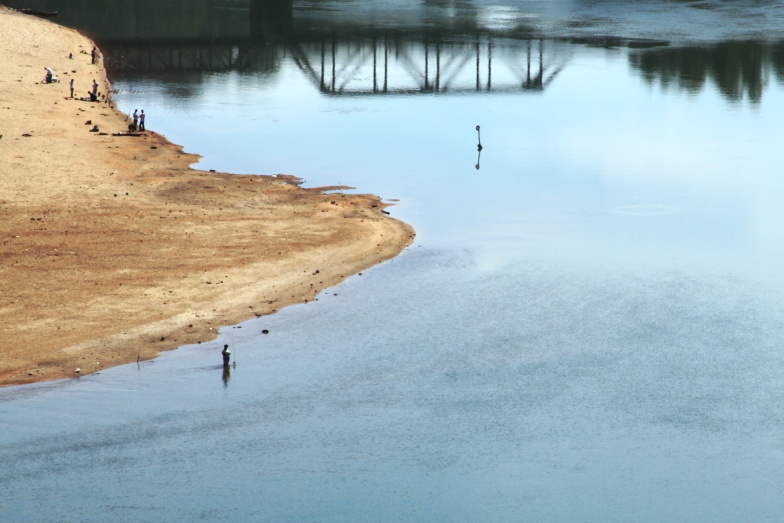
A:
(113, 249)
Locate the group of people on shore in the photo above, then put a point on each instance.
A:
(138, 121)
(93, 95)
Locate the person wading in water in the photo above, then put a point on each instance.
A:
(226, 355)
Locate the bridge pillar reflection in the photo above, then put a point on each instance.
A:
(386, 64)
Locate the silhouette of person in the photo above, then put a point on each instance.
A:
(141, 126)
(226, 355)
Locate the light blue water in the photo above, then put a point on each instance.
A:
(599, 167)
(588, 328)
(429, 389)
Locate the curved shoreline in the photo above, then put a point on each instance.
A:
(113, 249)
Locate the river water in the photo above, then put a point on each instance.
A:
(589, 326)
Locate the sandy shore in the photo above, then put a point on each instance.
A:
(113, 249)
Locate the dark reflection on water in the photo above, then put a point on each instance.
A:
(226, 375)
(740, 70)
(147, 19)
(340, 45)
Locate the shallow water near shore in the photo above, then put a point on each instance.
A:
(589, 326)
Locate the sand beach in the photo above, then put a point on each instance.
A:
(113, 249)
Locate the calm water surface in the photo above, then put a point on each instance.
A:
(589, 326)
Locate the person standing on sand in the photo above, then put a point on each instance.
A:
(72, 86)
(141, 121)
(135, 119)
(93, 55)
(95, 88)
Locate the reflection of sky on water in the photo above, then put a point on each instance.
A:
(533, 393)
(562, 171)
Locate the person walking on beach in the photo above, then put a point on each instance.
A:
(226, 355)
(93, 55)
(141, 121)
(72, 86)
(95, 88)
(135, 119)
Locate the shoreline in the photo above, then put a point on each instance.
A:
(113, 249)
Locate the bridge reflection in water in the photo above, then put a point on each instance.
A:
(384, 66)
(380, 66)
(348, 58)
(409, 46)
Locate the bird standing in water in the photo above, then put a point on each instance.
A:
(478, 147)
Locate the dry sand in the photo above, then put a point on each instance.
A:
(113, 249)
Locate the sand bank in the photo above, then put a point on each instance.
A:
(113, 249)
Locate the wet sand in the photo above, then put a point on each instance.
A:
(113, 249)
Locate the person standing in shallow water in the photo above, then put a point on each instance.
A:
(226, 355)
(141, 121)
